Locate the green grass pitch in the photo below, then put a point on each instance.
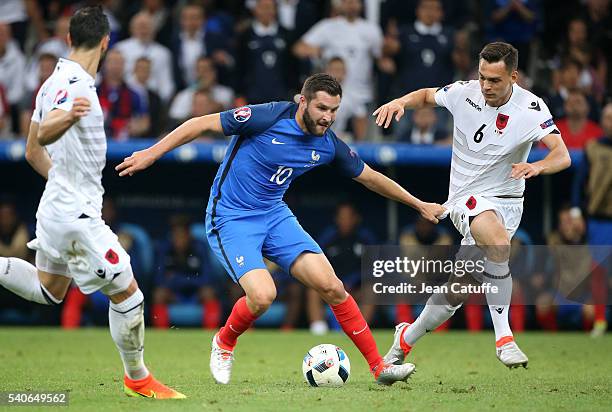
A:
(456, 371)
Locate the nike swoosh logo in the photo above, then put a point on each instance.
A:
(232, 328)
(357, 333)
(70, 81)
(274, 141)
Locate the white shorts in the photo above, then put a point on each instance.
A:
(509, 210)
(86, 250)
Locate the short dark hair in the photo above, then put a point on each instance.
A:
(321, 82)
(500, 51)
(88, 26)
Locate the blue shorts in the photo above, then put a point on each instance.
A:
(240, 242)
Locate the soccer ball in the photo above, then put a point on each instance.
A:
(326, 365)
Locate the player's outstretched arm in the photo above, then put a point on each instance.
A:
(415, 100)
(381, 184)
(35, 154)
(185, 133)
(556, 160)
(55, 124)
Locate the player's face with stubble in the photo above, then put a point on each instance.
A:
(320, 113)
(495, 82)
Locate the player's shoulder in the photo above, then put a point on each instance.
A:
(461, 86)
(276, 110)
(527, 103)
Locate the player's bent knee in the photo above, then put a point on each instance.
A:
(456, 299)
(262, 299)
(53, 287)
(332, 291)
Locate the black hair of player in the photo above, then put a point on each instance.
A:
(88, 26)
(321, 82)
(500, 51)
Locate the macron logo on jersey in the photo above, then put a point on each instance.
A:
(242, 114)
(61, 97)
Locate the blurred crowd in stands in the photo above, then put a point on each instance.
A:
(174, 59)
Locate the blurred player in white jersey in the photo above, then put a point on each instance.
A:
(495, 124)
(67, 145)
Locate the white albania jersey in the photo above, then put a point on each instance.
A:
(488, 140)
(74, 186)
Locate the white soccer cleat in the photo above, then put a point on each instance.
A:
(510, 355)
(394, 373)
(221, 361)
(397, 353)
(319, 328)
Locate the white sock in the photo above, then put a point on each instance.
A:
(437, 311)
(21, 278)
(498, 274)
(126, 321)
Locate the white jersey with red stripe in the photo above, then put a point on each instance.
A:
(74, 186)
(488, 140)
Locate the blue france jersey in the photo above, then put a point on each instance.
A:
(268, 151)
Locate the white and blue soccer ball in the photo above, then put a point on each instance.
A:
(326, 365)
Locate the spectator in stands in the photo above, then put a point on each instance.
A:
(424, 51)
(21, 15)
(12, 70)
(351, 117)
(262, 63)
(5, 114)
(56, 46)
(578, 46)
(403, 12)
(206, 80)
(357, 41)
(184, 276)
(594, 178)
(123, 112)
(46, 64)
(567, 78)
(13, 232)
(598, 17)
(576, 128)
(142, 44)
(513, 21)
(571, 266)
(343, 245)
(424, 129)
(162, 20)
(425, 233)
(203, 104)
(195, 39)
(149, 99)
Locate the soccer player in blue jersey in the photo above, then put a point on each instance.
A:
(246, 217)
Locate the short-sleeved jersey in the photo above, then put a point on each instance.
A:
(74, 186)
(357, 42)
(267, 152)
(488, 140)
